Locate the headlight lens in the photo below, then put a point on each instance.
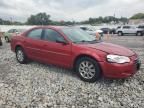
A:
(117, 59)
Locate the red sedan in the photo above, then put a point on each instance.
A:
(75, 49)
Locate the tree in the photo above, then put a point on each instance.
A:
(138, 16)
(39, 19)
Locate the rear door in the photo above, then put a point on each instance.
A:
(55, 52)
(34, 44)
(132, 30)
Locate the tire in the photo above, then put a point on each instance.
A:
(120, 33)
(7, 39)
(21, 56)
(83, 67)
(139, 34)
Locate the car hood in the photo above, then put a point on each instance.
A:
(111, 48)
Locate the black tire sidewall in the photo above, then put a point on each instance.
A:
(120, 33)
(97, 68)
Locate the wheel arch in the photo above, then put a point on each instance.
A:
(85, 55)
(18, 46)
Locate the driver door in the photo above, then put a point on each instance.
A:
(56, 53)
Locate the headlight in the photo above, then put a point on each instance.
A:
(117, 59)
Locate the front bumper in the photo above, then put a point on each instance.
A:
(114, 70)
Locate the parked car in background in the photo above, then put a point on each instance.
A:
(128, 29)
(73, 48)
(108, 30)
(113, 31)
(10, 33)
(91, 30)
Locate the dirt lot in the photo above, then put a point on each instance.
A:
(37, 85)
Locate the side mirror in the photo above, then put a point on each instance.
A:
(61, 41)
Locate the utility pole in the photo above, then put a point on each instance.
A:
(11, 20)
(114, 19)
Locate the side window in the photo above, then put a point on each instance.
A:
(35, 34)
(132, 27)
(83, 28)
(126, 27)
(14, 30)
(51, 35)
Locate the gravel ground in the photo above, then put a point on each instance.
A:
(38, 85)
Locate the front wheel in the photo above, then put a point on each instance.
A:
(21, 56)
(120, 34)
(139, 34)
(88, 69)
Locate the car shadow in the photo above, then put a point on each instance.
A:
(56, 69)
(72, 73)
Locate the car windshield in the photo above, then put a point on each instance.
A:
(77, 35)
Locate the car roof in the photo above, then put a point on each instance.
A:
(53, 27)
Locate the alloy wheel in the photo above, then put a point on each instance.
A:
(87, 69)
(20, 55)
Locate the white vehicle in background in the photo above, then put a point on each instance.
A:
(91, 30)
(128, 29)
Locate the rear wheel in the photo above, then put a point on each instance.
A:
(7, 39)
(88, 69)
(139, 34)
(120, 33)
(21, 56)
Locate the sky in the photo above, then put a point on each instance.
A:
(69, 10)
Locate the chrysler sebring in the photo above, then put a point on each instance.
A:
(75, 49)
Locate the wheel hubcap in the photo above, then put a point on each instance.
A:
(87, 69)
(20, 55)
